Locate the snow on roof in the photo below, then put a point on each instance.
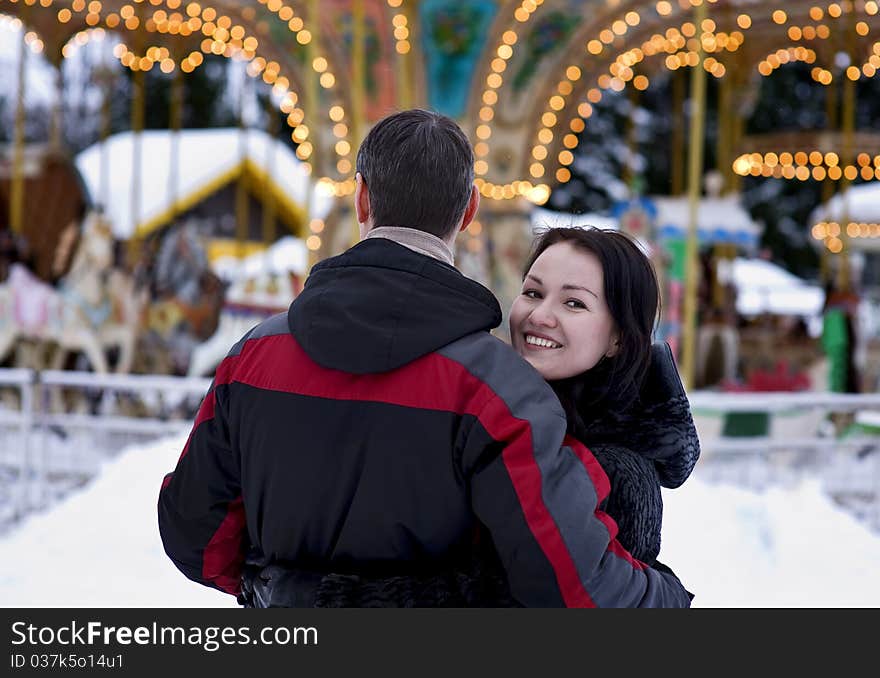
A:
(719, 219)
(207, 158)
(543, 218)
(249, 279)
(287, 254)
(764, 287)
(863, 205)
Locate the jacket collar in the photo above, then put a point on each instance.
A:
(417, 241)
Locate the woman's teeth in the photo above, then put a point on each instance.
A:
(540, 341)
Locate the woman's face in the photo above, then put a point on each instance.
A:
(560, 322)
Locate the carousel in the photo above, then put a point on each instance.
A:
(524, 78)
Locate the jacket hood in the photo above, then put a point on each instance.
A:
(659, 426)
(379, 306)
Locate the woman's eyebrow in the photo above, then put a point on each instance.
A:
(535, 278)
(578, 287)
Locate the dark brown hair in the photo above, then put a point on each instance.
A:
(419, 169)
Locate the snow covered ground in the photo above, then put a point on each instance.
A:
(732, 547)
(101, 547)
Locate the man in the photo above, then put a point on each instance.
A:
(373, 428)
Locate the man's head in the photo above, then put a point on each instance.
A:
(416, 169)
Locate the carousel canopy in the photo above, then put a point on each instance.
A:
(206, 161)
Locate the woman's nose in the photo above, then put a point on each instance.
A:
(543, 315)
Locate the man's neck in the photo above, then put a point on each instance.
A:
(417, 241)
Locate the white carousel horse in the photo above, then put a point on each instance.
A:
(92, 310)
(33, 310)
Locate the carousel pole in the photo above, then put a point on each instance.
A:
(16, 198)
(403, 62)
(848, 115)
(137, 127)
(269, 231)
(311, 107)
(677, 169)
(629, 174)
(723, 165)
(738, 83)
(176, 119)
(695, 166)
(138, 114)
(832, 123)
(358, 87)
(104, 172)
(723, 144)
(242, 212)
(55, 131)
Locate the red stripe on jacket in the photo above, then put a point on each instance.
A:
(221, 563)
(603, 489)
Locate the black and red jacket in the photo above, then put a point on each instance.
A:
(373, 426)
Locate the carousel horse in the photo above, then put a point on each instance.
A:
(93, 309)
(189, 298)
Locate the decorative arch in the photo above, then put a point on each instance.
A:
(522, 150)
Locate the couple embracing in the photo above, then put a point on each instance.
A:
(377, 446)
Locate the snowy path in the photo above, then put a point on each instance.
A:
(101, 547)
(730, 546)
(780, 548)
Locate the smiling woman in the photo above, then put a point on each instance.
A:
(559, 324)
(587, 309)
(584, 320)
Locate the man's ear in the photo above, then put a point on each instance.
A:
(471, 210)
(361, 200)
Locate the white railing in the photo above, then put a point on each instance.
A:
(777, 402)
(845, 454)
(31, 464)
(797, 421)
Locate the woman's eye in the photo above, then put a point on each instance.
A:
(575, 303)
(531, 294)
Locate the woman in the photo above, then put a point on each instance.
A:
(584, 320)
